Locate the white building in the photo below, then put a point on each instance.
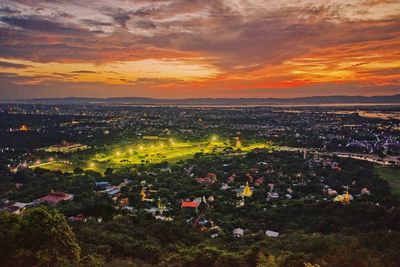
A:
(270, 233)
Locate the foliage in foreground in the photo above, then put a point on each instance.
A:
(40, 237)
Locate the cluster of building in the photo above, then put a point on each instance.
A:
(53, 198)
(66, 147)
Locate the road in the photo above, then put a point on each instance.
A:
(387, 161)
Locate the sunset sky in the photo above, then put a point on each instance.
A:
(185, 48)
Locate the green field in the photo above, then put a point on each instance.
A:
(55, 166)
(147, 152)
(392, 176)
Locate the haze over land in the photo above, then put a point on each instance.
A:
(190, 49)
(323, 100)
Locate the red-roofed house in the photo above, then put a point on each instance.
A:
(209, 179)
(57, 197)
(78, 218)
(190, 204)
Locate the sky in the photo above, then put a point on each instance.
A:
(191, 49)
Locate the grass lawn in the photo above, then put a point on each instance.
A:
(392, 175)
(55, 166)
(149, 152)
(155, 152)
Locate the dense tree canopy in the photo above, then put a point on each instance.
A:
(39, 237)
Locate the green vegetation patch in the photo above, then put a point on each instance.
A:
(150, 152)
(392, 176)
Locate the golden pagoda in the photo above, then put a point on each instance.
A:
(142, 194)
(346, 198)
(339, 198)
(247, 191)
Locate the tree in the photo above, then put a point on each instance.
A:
(108, 171)
(261, 259)
(40, 237)
(8, 233)
(78, 170)
(93, 260)
(270, 261)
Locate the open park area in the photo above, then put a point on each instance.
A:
(127, 153)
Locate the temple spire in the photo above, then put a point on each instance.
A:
(142, 194)
(346, 198)
(247, 191)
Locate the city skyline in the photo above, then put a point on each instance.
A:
(184, 49)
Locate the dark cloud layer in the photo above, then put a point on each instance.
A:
(38, 24)
(5, 64)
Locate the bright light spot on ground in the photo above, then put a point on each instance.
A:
(118, 156)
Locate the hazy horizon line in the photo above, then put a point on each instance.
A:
(197, 98)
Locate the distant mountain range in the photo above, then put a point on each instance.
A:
(393, 99)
